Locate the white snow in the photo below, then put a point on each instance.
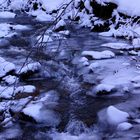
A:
(67, 136)
(25, 89)
(99, 55)
(9, 92)
(93, 66)
(42, 115)
(118, 46)
(30, 67)
(116, 116)
(124, 126)
(136, 42)
(10, 79)
(51, 5)
(5, 67)
(20, 27)
(6, 92)
(104, 87)
(84, 61)
(41, 15)
(136, 79)
(60, 23)
(7, 14)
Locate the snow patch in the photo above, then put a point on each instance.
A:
(116, 116)
(99, 55)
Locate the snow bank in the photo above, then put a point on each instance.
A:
(99, 55)
(116, 116)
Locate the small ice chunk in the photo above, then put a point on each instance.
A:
(116, 116)
(124, 126)
(99, 55)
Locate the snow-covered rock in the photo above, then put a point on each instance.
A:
(104, 89)
(10, 79)
(40, 115)
(99, 55)
(124, 126)
(20, 27)
(6, 92)
(127, 7)
(17, 92)
(25, 89)
(31, 67)
(84, 61)
(5, 67)
(116, 116)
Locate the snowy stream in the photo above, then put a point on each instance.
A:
(89, 85)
